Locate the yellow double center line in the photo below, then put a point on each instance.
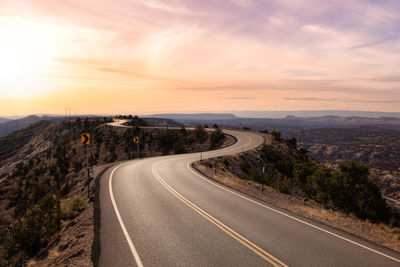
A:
(253, 247)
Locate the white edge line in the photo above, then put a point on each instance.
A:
(128, 238)
(294, 218)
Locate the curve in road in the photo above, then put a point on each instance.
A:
(159, 211)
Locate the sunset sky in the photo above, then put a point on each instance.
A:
(143, 57)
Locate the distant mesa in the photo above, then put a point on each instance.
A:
(195, 116)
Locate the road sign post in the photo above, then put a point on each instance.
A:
(262, 182)
(136, 141)
(85, 140)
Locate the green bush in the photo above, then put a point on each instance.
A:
(318, 185)
(136, 121)
(255, 175)
(179, 147)
(34, 230)
(285, 166)
(301, 172)
(71, 207)
(352, 191)
(216, 138)
(292, 143)
(77, 166)
(166, 140)
(200, 131)
(276, 135)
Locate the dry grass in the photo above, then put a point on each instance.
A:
(71, 207)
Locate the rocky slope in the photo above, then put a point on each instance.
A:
(46, 197)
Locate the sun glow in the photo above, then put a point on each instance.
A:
(26, 53)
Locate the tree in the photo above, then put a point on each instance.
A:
(183, 130)
(216, 137)
(277, 135)
(292, 142)
(255, 175)
(200, 131)
(301, 172)
(352, 191)
(318, 184)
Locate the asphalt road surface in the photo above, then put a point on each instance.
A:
(160, 212)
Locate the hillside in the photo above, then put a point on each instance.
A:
(46, 199)
(14, 125)
(345, 198)
(378, 148)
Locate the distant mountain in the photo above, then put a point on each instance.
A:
(3, 120)
(157, 122)
(14, 125)
(315, 113)
(195, 116)
(291, 123)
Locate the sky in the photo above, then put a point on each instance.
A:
(151, 56)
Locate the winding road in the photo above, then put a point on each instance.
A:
(160, 212)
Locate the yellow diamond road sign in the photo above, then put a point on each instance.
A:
(136, 139)
(85, 138)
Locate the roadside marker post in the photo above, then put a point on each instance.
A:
(136, 141)
(85, 140)
(262, 183)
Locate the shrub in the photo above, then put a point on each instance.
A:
(167, 139)
(301, 172)
(277, 135)
(77, 166)
(318, 185)
(183, 131)
(71, 207)
(136, 121)
(352, 191)
(285, 166)
(200, 131)
(292, 143)
(179, 147)
(245, 166)
(255, 175)
(216, 138)
(34, 229)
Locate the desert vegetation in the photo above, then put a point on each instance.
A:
(291, 171)
(45, 183)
